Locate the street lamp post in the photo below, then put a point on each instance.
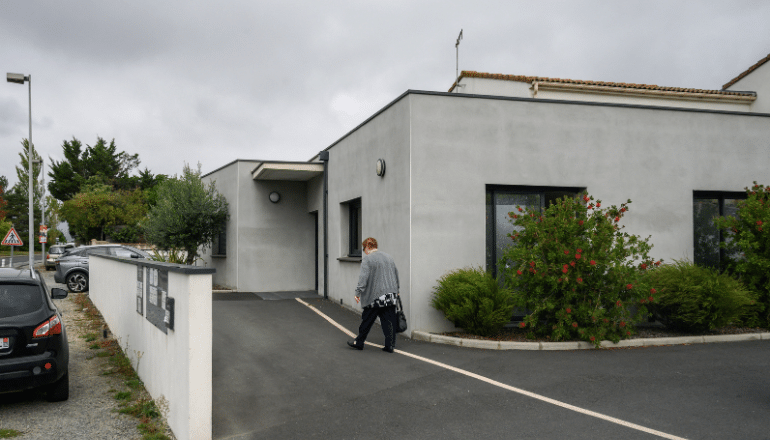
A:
(42, 206)
(20, 78)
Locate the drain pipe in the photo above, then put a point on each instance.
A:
(323, 156)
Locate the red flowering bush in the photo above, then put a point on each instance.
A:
(748, 249)
(577, 273)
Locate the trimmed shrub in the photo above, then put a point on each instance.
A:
(697, 299)
(748, 249)
(576, 272)
(472, 299)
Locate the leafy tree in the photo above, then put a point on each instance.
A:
(149, 183)
(95, 212)
(18, 197)
(3, 186)
(101, 161)
(749, 244)
(188, 214)
(576, 272)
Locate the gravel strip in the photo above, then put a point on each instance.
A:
(91, 411)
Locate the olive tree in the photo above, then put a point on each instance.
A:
(187, 216)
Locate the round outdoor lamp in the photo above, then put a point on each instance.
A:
(275, 197)
(380, 167)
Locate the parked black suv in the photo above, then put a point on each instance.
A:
(34, 352)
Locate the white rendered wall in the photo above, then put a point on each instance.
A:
(656, 157)
(174, 366)
(757, 81)
(385, 201)
(270, 246)
(226, 182)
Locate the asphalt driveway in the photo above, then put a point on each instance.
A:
(283, 371)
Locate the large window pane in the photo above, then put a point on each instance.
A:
(506, 203)
(706, 233)
(502, 200)
(708, 205)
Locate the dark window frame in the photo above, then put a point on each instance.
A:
(355, 220)
(720, 196)
(219, 244)
(546, 193)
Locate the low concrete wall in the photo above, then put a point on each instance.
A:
(175, 364)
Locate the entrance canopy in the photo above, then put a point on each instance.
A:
(295, 171)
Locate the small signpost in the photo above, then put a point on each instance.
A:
(12, 239)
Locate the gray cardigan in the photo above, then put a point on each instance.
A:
(378, 276)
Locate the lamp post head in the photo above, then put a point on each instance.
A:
(18, 78)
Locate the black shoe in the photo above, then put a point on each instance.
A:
(388, 349)
(353, 344)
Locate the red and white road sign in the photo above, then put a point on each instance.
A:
(12, 239)
(43, 239)
(43, 229)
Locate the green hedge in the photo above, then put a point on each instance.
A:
(694, 298)
(472, 299)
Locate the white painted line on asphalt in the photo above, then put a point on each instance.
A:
(508, 387)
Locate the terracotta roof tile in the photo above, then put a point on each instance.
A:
(749, 70)
(531, 79)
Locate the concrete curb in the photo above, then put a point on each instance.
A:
(581, 345)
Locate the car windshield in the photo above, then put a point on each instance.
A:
(56, 250)
(19, 299)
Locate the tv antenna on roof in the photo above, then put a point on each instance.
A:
(457, 49)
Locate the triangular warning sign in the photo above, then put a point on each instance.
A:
(12, 239)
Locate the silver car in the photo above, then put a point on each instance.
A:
(72, 266)
(54, 253)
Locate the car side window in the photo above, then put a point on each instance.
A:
(122, 252)
(79, 253)
(99, 251)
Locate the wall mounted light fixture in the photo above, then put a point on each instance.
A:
(380, 167)
(275, 197)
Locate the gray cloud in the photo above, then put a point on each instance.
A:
(188, 81)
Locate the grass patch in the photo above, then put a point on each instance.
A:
(9, 433)
(90, 337)
(144, 408)
(94, 346)
(123, 395)
(134, 384)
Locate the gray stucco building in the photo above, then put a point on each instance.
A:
(457, 162)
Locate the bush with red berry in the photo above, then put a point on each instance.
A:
(576, 272)
(748, 246)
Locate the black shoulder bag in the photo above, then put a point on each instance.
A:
(401, 327)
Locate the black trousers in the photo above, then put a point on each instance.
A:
(388, 321)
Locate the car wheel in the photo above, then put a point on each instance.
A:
(77, 282)
(59, 391)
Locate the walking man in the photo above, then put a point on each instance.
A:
(376, 291)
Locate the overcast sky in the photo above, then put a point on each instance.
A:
(212, 81)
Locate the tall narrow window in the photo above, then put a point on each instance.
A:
(707, 238)
(503, 199)
(354, 228)
(219, 246)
